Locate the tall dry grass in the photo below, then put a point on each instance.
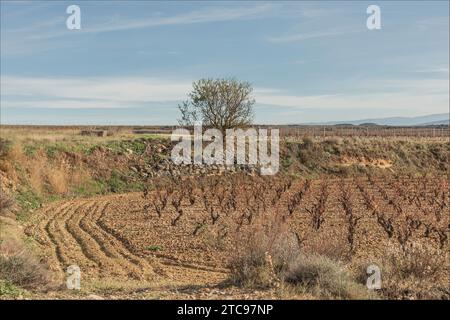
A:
(35, 168)
(417, 270)
(269, 255)
(20, 267)
(42, 174)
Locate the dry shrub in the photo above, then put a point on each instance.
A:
(44, 174)
(15, 153)
(63, 172)
(252, 268)
(333, 140)
(19, 267)
(263, 266)
(285, 249)
(79, 176)
(53, 175)
(417, 270)
(36, 171)
(57, 179)
(36, 181)
(6, 202)
(271, 256)
(324, 277)
(419, 260)
(8, 168)
(5, 146)
(9, 155)
(264, 254)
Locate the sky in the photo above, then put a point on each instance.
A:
(134, 62)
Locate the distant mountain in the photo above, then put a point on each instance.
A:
(436, 123)
(432, 119)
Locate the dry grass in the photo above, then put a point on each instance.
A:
(11, 153)
(288, 268)
(57, 179)
(36, 169)
(417, 270)
(18, 264)
(42, 174)
(416, 259)
(324, 277)
(252, 270)
(6, 202)
(273, 257)
(268, 255)
(19, 267)
(49, 134)
(264, 252)
(78, 176)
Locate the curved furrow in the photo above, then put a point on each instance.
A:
(70, 247)
(123, 248)
(88, 245)
(158, 259)
(53, 233)
(111, 248)
(36, 228)
(40, 232)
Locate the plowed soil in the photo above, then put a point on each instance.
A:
(115, 238)
(87, 233)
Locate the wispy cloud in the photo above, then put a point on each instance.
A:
(437, 70)
(433, 22)
(39, 36)
(89, 92)
(205, 15)
(371, 101)
(301, 36)
(406, 95)
(129, 92)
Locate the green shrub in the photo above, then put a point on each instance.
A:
(8, 290)
(115, 182)
(5, 146)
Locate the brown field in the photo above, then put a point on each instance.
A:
(287, 131)
(186, 237)
(127, 236)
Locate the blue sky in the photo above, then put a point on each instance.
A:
(133, 62)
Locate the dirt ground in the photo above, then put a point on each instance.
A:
(79, 232)
(125, 250)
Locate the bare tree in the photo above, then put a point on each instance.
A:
(218, 103)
